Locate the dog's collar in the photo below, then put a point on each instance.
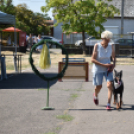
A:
(117, 85)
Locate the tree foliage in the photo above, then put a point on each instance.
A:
(29, 21)
(81, 15)
(26, 19)
(7, 6)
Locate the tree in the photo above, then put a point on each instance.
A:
(7, 6)
(26, 19)
(45, 16)
(81, 16)
(29, 21)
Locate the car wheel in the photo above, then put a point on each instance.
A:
(122, 52)
(128, 52)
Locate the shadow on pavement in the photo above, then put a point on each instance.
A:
(26, 81)
(91, 109)
(131, 107)
(127, 107)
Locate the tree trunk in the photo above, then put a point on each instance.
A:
(84, 44)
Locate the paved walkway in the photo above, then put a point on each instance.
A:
(21, 103)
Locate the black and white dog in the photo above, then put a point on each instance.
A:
(118, 88)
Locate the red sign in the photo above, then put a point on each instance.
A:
(22, 39)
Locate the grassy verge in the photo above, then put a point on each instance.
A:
(56, 57)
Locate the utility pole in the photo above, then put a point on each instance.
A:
(122, 17)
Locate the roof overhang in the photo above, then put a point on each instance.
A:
(7, 19)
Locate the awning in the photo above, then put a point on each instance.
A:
(11, 29)
(6, 18)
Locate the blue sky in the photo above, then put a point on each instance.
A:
(33, 5)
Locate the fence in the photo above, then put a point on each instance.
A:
(125, 51)
(73, 37)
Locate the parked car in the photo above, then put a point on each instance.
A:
(53, 39)
(80, 42)
(125, 45)
(90, 42)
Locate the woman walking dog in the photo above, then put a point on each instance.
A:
(102, 66)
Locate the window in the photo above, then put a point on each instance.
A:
(47, 38)
(121, 41)
(129, 41)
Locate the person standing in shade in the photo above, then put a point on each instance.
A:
(102, 67)
(30, 41)
(9, 42)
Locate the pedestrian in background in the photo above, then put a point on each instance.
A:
(30, 41)
(9, 41)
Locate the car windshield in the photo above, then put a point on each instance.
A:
(47, 38)
(91, 38)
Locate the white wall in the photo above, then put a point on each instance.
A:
(58, 31)
(128, 26)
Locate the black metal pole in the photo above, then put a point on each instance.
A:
(122, 18)
(20, 63)
(132, 45)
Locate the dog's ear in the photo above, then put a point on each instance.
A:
(121, 73)
(115, 71)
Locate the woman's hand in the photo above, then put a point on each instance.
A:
(108, 65)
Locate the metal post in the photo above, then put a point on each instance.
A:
(132, 45)
(0, 47)
(122, 18)
(47, 101)
(47, 94)
(0, 42)
(15, 39)
(20, 63)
